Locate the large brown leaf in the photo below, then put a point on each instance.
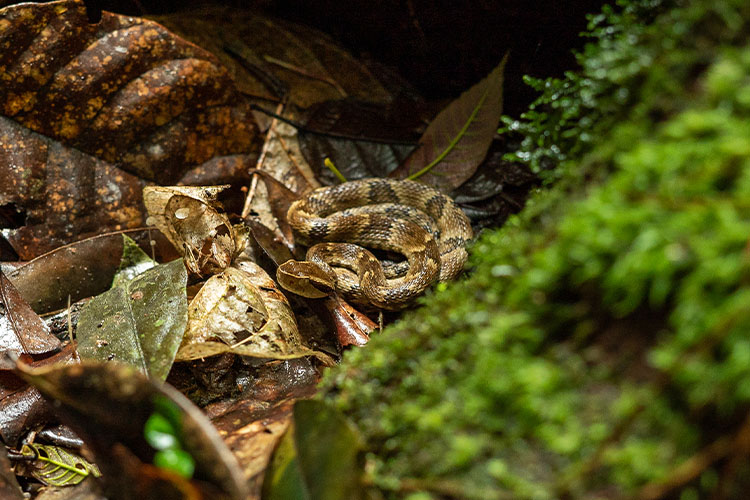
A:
(90, 112)
(457, 140)
(81, 269)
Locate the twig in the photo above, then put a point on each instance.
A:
(737, 445)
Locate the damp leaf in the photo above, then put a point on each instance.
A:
(457, 140)
(91, 112)
(108, 405)
(57, 466)
(21, 329)
(81, 269)
(139, 322)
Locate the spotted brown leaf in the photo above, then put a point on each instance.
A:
(90, 112)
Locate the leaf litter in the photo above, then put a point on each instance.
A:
(238, 324)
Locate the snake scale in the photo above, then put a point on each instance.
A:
(401, 216)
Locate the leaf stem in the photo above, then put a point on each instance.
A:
(454, 141)
(328, 163)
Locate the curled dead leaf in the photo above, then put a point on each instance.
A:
(189, 217)
(241, 311)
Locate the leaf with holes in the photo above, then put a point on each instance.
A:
(57, 466)
(457, 140)
(139, 322)
(243, 312)
(90, 112)
(191, 219)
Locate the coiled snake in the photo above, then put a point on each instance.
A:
(401, 216)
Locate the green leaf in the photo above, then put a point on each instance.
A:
(283, 476)
(177, 460)
(139, 322)
(56, 466)
(318, 457)
(134, 261)
(457, 140)
(160, 433)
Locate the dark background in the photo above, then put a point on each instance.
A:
(441, 47)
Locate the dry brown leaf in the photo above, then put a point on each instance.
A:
(189, 217)
(241, 311)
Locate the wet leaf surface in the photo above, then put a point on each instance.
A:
(118, 105)
(318, 457)
(21, 407)
(81, 269)
(457, 139)
(253, 423)
(140, 322)
(90, 112)
(108, 406)
(134, 261)
(21, 329)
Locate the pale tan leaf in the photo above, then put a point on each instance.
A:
(191, 220)
(241, 311)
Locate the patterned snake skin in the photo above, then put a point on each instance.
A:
(405, 217)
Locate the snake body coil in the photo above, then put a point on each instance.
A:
(406, 217)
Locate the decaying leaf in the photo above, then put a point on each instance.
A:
(57, 466)
(456, 141)
(139, 322)
(90, 111)
(316, 458)
(108, 405)
(81, 269)
(241, 311)
(191, 220)
(21, 329)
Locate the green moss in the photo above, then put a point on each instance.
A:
(604, 330)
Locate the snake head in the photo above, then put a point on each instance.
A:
(313, 280)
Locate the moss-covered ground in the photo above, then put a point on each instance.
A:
(599, 346)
